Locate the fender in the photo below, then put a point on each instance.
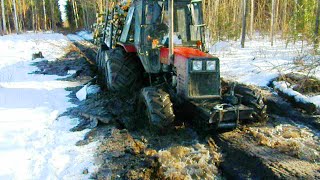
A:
(182, 52)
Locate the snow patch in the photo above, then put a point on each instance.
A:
(71, 72)
(283, 87)
(82, 93)
(87, 90)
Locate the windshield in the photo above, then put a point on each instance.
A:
(187, 22)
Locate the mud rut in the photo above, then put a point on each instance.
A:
(286, 147)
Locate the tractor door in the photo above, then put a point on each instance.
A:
(147, 33)
(127, 32)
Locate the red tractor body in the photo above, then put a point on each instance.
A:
(163, 46)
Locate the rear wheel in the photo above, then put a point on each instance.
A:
(122, 70)
(155, 109)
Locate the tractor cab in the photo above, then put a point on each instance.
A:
(147, 29)
(147, 23)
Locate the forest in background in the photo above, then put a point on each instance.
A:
(292, 20)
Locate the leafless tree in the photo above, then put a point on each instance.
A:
(4, 17)
(272, 21)
(316, 31)
(44, 14)
(252, 18)
(16, 25)
(244, 22)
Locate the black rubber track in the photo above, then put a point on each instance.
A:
(156, 106)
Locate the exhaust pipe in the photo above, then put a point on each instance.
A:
(171, 24)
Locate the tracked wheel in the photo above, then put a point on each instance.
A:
(122, 70)
(253, 98)
(155, 109)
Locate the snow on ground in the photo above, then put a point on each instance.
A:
(81, 36)
(35, 143)
(259, 62)
(19, 48)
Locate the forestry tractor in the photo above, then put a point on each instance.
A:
(156, 47)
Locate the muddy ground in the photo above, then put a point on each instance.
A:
(286, 147)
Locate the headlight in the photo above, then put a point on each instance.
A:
(211, 65)
(197, 65)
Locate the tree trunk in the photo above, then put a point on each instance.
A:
(75, 13)
(216, 15)
(53, 21)
(284, 19)
(44, 14)
(252, 18)
(85, 23)
(21, 19)
(316, 31)
(4, 17)
(244, 22)
(16, 26)
(33, 16)
(38, 26)
(8, 20)
(9, 12)
(87, 14)
(276, 15)
(295, 18)
(1, 29)
(272, 22)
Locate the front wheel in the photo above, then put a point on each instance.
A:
(155, 109)
(252, 98)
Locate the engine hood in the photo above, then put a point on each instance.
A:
(182, 52)
(190, 52)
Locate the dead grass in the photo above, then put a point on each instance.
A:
(288, 139)
(190, 162)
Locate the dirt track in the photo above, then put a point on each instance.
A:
(281, 149)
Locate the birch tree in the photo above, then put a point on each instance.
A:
(75, 13)
(4, 23)
(44, 14)
(16, 26)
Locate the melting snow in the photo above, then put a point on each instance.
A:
(35, 142)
